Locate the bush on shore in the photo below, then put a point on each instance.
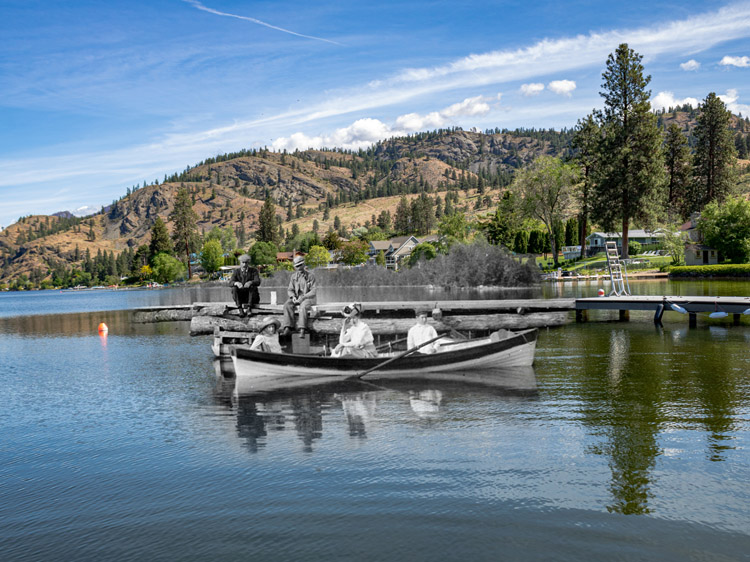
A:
(466, 265)
(721, 270)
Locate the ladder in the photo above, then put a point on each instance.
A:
(617, 272)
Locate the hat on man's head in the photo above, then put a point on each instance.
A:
(422, 312)
(354, 309)
(243, 258)
(299, 261)
(269, 321)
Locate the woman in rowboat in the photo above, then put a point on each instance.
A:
(422, 332)
(356, 338)
(268, 338)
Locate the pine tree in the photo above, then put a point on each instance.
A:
(267, 227)
(715, 154)
(160, 241)
(402, 218)
(587, 142)
(185, 232)
(632, 160)
(679, 174)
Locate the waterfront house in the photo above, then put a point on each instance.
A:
(696, 252)
(598, 240)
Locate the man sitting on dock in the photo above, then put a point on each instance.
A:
(245, 282)
(302, 292)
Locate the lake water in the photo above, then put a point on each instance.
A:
(624, 442)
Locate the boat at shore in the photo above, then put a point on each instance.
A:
(502, 349)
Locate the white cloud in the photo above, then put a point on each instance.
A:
(562, 87)
(533, 89)
(742, 62)
(690, 65)
(665, 100)
(365, 132)
(730, 98)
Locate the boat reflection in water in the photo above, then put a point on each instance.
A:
(360, 404)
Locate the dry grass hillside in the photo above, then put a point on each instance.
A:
(229, 191)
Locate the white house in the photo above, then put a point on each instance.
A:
(597, 240)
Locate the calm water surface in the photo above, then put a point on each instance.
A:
(625, 442)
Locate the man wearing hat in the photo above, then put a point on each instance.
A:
(245, 282)
(302, 292)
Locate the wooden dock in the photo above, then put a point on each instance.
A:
(396, 317)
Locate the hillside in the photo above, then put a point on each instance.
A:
(229, 190)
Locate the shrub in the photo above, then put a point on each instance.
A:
(721, 270)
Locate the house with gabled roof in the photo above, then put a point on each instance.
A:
(696, 252)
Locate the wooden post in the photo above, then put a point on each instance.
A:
(736, 319)
(624, 315)
(693, 322)
(582, 315)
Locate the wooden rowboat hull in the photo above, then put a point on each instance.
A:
(517, 350)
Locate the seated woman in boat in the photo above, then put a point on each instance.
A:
(356, 338)
(422, 332)
(268, 338)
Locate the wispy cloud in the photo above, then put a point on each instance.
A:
(200, 6)
(690, 65)
(742, 62)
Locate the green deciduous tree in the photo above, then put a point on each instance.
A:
(632, 175)
(212, 255)
(715, 154)
(354, 252)
(263, 253)
(501, 226)
(167, 268)
(423, 251)
(726, 227)
(318, 256)
(545, 191)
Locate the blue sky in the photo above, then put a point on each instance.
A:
(98, 96)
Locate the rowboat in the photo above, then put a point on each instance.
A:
(501, 349)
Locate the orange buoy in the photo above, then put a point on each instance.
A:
(103, 328)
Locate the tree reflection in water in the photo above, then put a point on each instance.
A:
(653, 383)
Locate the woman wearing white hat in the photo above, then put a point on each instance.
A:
(356, 337)
(268, 338)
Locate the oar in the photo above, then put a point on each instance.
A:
(397, 357)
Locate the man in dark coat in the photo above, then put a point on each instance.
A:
(302, 292)
(245, 282)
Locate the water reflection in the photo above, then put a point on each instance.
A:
(307, 408)
(650, 388)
